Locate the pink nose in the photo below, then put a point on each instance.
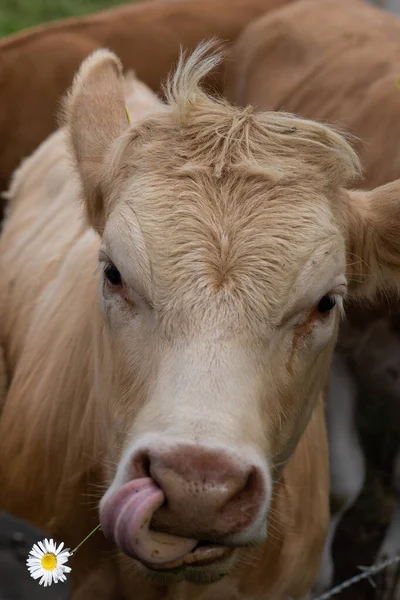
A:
(208, 495)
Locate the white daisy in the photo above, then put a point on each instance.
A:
(48, 562)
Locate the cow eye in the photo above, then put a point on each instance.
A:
(112, 275)
(326, 304)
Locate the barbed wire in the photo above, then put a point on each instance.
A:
(367, 573)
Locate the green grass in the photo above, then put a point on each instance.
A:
(19, 14)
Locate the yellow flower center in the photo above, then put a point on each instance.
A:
(49, 562)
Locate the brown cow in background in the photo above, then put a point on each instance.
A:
(338, 61)
(37, 65)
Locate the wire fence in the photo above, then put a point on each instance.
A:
(367, 573)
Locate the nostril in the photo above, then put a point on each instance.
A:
(141, 465)
(254, 483)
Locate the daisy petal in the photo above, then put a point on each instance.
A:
(58, 550)
(36, 574)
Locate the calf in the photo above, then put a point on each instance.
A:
(168, 350)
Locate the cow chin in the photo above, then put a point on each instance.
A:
(207, 563)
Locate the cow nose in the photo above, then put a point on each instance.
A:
(208, 494)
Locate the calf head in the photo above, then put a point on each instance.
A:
(227, 243)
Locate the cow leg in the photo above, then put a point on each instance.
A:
(346, 458)
(391, 544)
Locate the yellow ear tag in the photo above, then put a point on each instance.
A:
(398, 83)
(128, 115)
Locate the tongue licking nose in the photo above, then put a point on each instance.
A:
(125, 519)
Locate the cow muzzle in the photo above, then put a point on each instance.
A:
(186, 506)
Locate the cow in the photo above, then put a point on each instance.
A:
(167, 340)
(337, 61)
(37, 65)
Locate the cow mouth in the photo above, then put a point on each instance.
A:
(204, 554)
(125, 518)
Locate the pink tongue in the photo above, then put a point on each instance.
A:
(125, 519)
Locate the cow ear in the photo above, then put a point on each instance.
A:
(95, 116)
(371, 220)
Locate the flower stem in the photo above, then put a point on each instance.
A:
(86, 538)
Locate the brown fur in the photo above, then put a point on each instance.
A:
(37, 65)
(259, 197)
